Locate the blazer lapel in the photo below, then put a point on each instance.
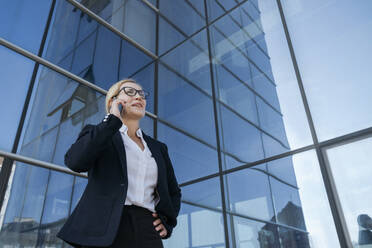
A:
(119, 145)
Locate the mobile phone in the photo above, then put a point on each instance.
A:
(120, 107)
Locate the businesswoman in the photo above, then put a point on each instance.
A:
(132, 198)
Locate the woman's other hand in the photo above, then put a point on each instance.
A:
(159, 226)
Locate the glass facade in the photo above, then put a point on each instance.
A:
(248, 95)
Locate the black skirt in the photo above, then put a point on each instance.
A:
(136, 230)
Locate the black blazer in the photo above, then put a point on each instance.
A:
(99, 150)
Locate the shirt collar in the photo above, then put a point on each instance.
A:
(124, 130)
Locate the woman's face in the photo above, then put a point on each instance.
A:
(135, 106)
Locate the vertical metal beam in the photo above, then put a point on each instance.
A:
(222, 188)
(330, 187)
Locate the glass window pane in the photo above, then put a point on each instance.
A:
(194, 65)
(78, 44)
(193, 110)
(36, 205)
(197, 227)
(293, 238)
(128, 16)
(249, 233)
(247, 192)
(334, 59)
(351, 168)
(168, 36)
(23, 208)
(239, 139)
(15, 76)
(190, 158)
(205, 193)
(22, 22)
(56, 208)
(250, 50)
(216, 8)
(51, 115)
(304, 206)
(176, 11)
(145, 77)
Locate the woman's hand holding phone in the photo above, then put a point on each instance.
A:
(117, 107)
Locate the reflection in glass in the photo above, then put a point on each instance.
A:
(249, 233)
(307, 206)
(204, 193)
(293, 238)
(194, 65)
(190, 158)
(288, 204)
(56, 208)
(24, 209)
(78, 44)
(197, 227)
(239, 139)
(247, 192)
(128, 16)
(351, 168)
(53, 105)
(192, 111)
(177, 10)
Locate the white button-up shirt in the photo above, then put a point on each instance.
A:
(142, 172)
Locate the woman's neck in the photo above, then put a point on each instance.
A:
(132, 125)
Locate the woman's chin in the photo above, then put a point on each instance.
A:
(135, 115)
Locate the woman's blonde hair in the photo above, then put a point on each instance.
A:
(114, 90)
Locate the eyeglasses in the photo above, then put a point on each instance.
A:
(130, 91)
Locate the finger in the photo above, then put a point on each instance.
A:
(160, 227)
(157, 222)
(155, 214)
(163, 233)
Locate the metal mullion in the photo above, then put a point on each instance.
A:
(56, 68)
(244, 216)
(252, 164)
(331, 190)
(222, 187)
(187, 134)
(111, 28)
(50, 65)
(156, 75)
(184, 78)
(222, 103)
(219, 101)
(267, 222)
(250, 122)
(39, 163)
(344, 138)
(148, 4)
(360, 134)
